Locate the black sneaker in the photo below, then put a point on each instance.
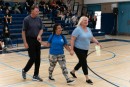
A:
(73, 75)
(89, 82)
(51, 78)
(37, 78)
(23, 74)
(69, 82)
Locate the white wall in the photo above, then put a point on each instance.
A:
(102, 1)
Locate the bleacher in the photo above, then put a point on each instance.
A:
(17, 20)
(16, 28)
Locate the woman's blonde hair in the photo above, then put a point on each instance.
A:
(81, 19)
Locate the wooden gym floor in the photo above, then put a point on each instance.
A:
(113, 65)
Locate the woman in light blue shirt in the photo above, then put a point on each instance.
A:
(80, 42)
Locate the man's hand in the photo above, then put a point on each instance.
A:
(39, 38)
(26, 45)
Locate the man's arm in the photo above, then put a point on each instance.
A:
(23, 36)
(40, 32)
(24, 39)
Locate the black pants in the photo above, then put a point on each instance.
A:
(82, 56)
(34, 54)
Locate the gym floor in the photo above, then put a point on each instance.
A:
(112, 66)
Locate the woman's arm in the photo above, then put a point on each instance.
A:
(46, 44)
(72, 41)
(67, 47)
(96, 41)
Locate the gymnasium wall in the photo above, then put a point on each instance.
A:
(93, 7)
(124, 18)
(102, 1)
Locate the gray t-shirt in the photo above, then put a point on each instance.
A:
(82, 38)
(32, 26)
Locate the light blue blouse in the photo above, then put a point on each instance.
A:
(82, 38)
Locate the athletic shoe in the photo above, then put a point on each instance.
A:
(51, 78)
(23, 74)
(69, 82)
(89, 82)
(73, 75)
(37, 78)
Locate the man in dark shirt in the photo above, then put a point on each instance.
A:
(32, 35)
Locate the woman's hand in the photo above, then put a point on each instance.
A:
(99, 44)
(43, 43)
(71, 52)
